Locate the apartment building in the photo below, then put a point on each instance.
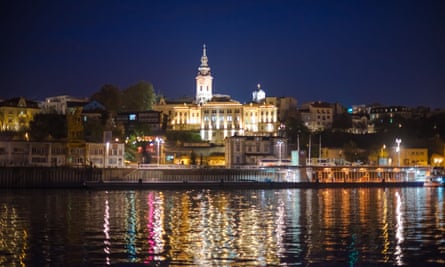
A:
(52, 154)
(253, 150)
(317, 116)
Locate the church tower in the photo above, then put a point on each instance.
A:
(204, 80)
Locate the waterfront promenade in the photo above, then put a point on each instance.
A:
(186, 177)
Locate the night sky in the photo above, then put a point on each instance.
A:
(351, 52)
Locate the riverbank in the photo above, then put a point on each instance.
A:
(178, 178)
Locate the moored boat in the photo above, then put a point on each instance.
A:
(437, 178)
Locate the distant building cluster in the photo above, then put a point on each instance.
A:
(247, 133)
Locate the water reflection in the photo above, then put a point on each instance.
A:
(399, 230)
(107, 232)
(205, 228)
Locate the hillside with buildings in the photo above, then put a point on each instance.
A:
(118, 128)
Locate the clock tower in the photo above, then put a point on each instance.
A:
(204, 80)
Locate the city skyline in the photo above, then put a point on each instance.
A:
(342, 51)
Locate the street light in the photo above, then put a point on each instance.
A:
(107, 146)
(298, 142)
(279, 143)
(158, 141)
(382, 150)
(398, 141)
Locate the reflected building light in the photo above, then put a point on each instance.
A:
(155, 220)
(310, 222)
(131, 228)
(158, 225)
(399, 230)
(107, 242)
(280, 230)
(353, 254)
(385, 229)
(150, 221)
(13, 237)
(294, 215)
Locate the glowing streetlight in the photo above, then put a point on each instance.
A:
(398, 141)
(158, 141)
(382, 155)
(279, 143)
(107, 147)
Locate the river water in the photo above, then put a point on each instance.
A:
(294, 227)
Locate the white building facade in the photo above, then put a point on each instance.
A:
(217, 117)
(254, 150)
(53, 154)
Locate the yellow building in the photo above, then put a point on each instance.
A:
(317, 116)
(217, 116)
(409, 157)
(17, 113)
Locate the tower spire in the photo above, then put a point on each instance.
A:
(204, 79)
(204, 68)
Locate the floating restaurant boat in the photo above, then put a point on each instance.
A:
(436, 178)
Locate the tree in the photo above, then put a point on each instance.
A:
(46, 126)
(138, 97)
(294, 128)
(183, 136)
(342, 122)
(94, 130)
(351, 151)
(193, 158)
(110, 96)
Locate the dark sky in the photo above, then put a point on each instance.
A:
(351, 52)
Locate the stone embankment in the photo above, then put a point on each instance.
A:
(177, 178)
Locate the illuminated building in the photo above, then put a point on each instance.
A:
(217, 116)
(287, 106)
(409, 156)
(317, 116)
(255, 150)
(24, 153)
(204, 80)
(17, 113)
(60, 104)
(377, 113)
